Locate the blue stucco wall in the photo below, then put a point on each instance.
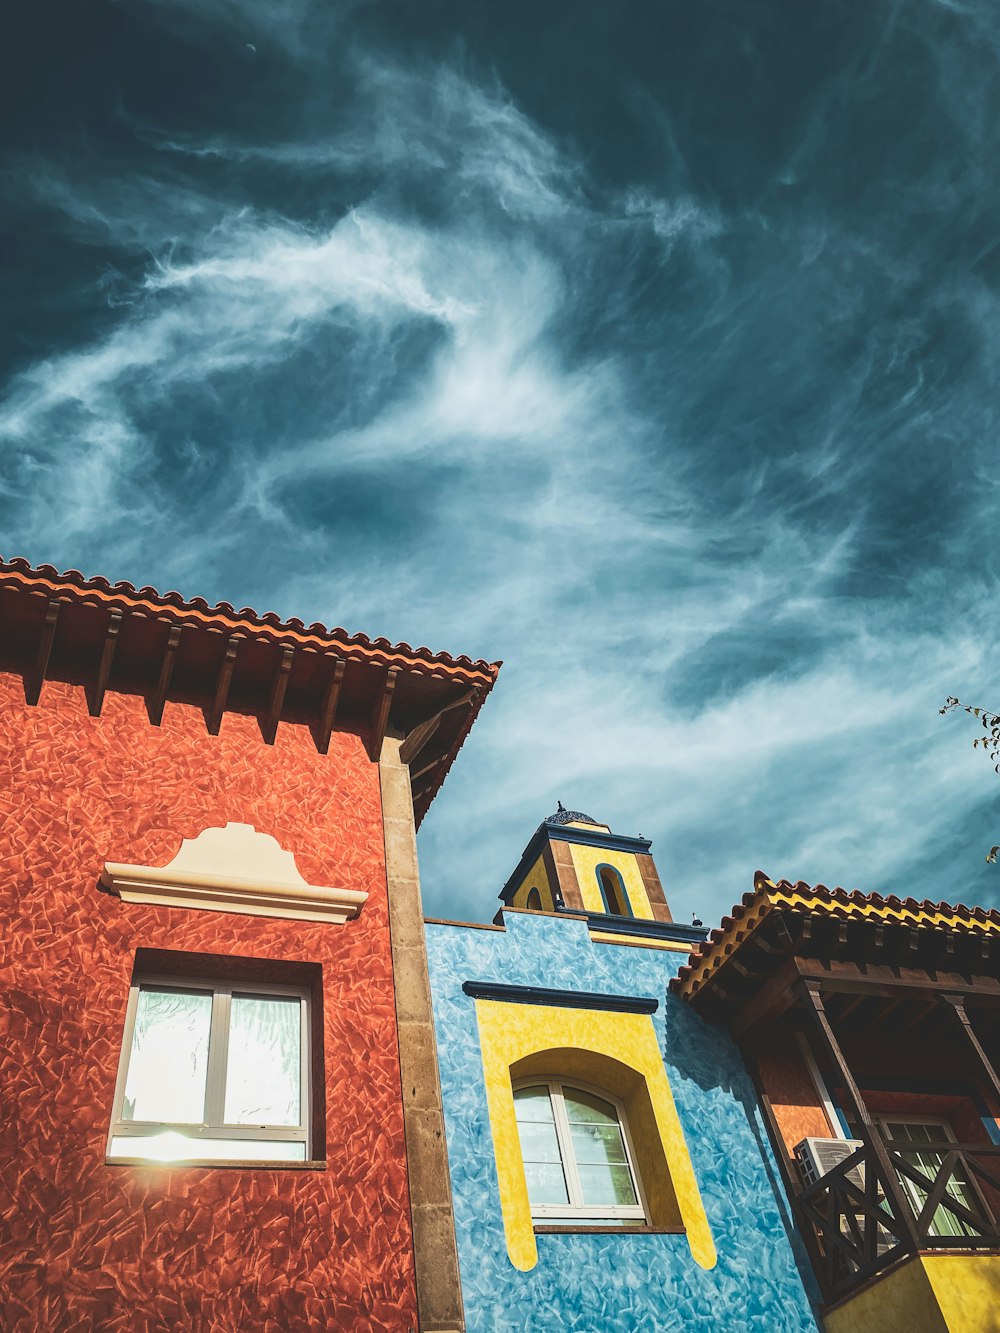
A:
(607, 1283)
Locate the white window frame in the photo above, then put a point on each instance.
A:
(909, 1187)
(576, 1211)
(213, 1124)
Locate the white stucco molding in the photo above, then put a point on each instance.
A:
(233, 869)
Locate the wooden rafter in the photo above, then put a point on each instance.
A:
(380, 715)
(159, 695)
(850, 1007)
(923, 1012)
(418, 737)
(328, 708)
(278, 689)
(33, 686)
(222, 684)
(104, 667)
(427, 768)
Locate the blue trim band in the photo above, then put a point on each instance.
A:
(560, 999)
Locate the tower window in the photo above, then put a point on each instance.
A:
(616, 901)
(534, 900)
(577, 1161)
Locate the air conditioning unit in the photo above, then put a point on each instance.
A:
(815, 1157)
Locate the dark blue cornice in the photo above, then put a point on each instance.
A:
(654, 930)
(560, 999)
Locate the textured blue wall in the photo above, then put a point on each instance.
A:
(607, 1283)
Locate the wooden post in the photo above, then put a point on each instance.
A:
(869, 1131)
(957, 1004)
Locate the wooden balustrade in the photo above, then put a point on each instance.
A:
(856, 1215)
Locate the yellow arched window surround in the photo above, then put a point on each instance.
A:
(617, 1053)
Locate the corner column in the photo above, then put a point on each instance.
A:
(439, 1290)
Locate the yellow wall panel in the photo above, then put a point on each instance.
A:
(587, 859)
(536, 878)
(931, 1293)
(967, 1287)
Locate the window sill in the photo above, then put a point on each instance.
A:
(231, 1164)
(546, 1229)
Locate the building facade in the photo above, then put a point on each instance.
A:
(213, 967)
(610, 1162)
(247, 1087)
(790, 1123)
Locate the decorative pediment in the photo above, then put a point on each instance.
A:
(233, 869)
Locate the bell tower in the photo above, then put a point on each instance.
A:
(575, 864)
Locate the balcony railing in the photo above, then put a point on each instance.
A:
(951, 1193)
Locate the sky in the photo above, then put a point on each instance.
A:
(650, 347)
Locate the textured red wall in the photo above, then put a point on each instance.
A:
(84, 1245)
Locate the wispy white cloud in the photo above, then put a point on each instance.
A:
(672, 595)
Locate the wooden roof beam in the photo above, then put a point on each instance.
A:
(418, 737)
(104, 668)
(331, 701)
(33, 684)
(158, 698)
(278, 688)
(380, 715)
(223, 682)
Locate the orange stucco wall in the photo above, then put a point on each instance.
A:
(88, 1245)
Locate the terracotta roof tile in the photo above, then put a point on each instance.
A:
(102, 591)
(800, 897)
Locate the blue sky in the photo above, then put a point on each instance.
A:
(650, 347)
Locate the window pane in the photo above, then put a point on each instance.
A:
(168, 1062)
(546, 1183)
(539, 1142)
(583, 1108)
(172, 1146)
(533, 1104)
(263, 1076)
(598, 1144)
(606, 1185)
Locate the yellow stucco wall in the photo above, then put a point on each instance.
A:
(536, 878)
(616, 1051)
(602, 937)
(587, 859)
(931, 1293)
(967, 1287)
(902, 1300)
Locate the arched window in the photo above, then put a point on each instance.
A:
(577, 1159)
(534, 900)
(616, 901)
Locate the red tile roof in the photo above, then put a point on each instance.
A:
(428, 680)
(224, 616)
